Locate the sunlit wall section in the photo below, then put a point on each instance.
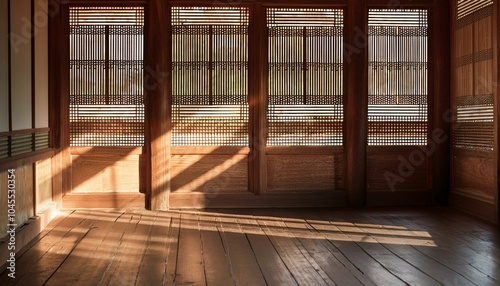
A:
(305, 106)
(397, 77)
(210, 76)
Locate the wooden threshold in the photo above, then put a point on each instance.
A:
(106, 200)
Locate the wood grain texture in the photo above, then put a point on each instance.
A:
(108, 173)
(158, 98)
(397, 171)
(370, 246)
(24, 193)
(440, 83)
(103, 200)
(43, 180)
(474, 173)
(356, 101)
(210, 174)
(304, 173)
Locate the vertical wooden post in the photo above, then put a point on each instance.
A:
(54, 33)
(258, 99)
(356, 101)
(496, 91)
(439, 76)
(157, 85)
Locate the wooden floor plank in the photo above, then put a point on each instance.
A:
(47, 265)
(81, 257)
(343, 244)
(173, 249)
(123, 270)
(293, 254)
(27, 257)
(244, 265)
(448, 252)
(373, 246)
(153, 265)
(107, 250)
(312, 241)
(424, 263)
(272, 266)
(215, 259)
(190, 269)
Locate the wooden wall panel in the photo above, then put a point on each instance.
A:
(21, 64)
(43, 183)
(24, 193)
(474, 174)
(3, 202)
(107, 173)
(304, 172)
(41, 64)
(398, 171)
(209, 173)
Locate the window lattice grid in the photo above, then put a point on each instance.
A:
(305, 77)
(210, 76)
(468, 7)
(397, 77)
(85, 16)
(106, 76)
(473, 127)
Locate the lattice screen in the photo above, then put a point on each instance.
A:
(106, 76)
(397, 77)
(305, 77)
(210, 76)
(473, 64)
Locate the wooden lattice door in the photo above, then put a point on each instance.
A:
(106, 106)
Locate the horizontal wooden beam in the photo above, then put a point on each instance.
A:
(25, 159)
(209, 150)
(24, 131)
(264, 200)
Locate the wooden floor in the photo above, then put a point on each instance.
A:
(420, 246)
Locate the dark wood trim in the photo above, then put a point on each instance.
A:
(264, 200)
(114, 3)
(355, 101)
(399, 198)
(496, 93)
(33, 63)
(473, 153)
(257, 99)
(24, 131)
(305, 150)
(400, 4)
(439, 86)
(25, 159)
(64, 100)
(107, 151)
(54, 98)
(9, 52)
(474, 205)
(215, 150)
(158, 94)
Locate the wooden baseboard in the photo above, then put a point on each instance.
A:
(399, 198)
(476, 206)
(26, 232)
(103, 200)
(266, 200)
